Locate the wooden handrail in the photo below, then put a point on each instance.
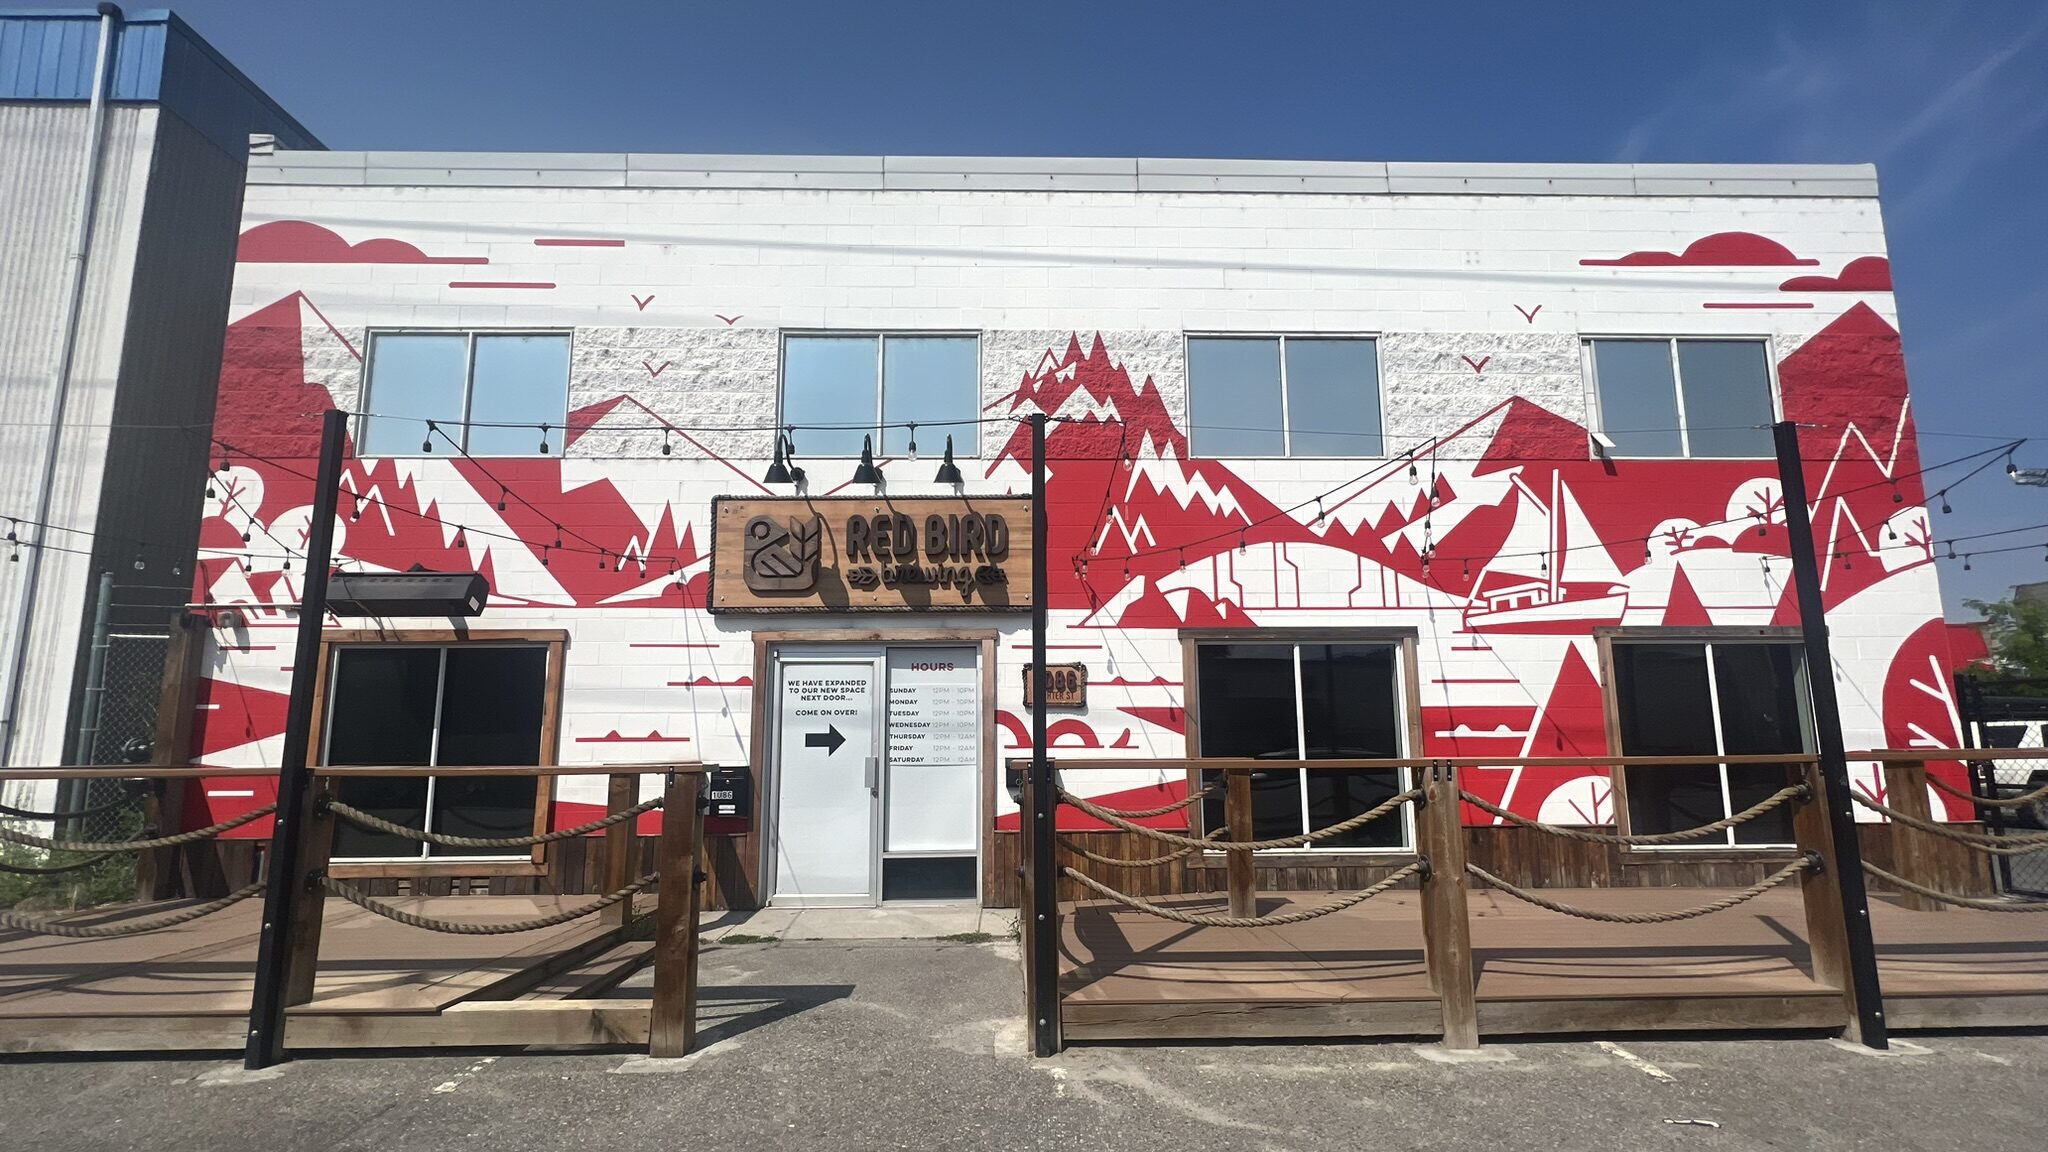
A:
(132, 772)
(339, 771)
(1922, 755)
(1222, 763)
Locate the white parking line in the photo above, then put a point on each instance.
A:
(1636, 1062)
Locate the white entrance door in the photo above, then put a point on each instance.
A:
(828, 779)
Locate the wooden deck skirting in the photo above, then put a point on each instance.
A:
(357, 979)
(1459, 962)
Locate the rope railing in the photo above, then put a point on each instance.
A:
(70, 813)
(1980, 904)
(1187, 801)
(1808, 863)
(2024, 800)
(53, 869)
(192, 837)
(50, 927)
(1794, 792)
(362, 819)
(1995, 844)
(371, 904)
(1206, 920)
(1148, 862)
(1111, 818)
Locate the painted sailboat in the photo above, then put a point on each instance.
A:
(1574, 583)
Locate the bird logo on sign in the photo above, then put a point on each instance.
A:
(782, 556)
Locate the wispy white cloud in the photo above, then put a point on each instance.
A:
(1931, 94)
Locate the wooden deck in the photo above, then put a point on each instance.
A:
(1128, 976)
(380, 983)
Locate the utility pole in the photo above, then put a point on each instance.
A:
(294, 774)
(1834, 756)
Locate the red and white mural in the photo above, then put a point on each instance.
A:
(1497, 534)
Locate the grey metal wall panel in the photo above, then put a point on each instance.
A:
(47, 56)
(38, 191)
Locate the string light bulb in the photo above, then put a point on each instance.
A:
(913, 442)
(427, 445)
(1945, 509)
(138, 563)
(667, 449)
(543, 439)
(1966, 561)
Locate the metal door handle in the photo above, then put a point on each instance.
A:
(874, 775)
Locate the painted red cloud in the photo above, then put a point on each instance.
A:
(1721, 250)
(1863, 274)
(303, 242)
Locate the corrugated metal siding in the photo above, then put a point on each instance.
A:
(38, 191)
(51, 57)
(157, 58)
(153, 486)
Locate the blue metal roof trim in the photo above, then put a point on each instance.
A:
(48, 54)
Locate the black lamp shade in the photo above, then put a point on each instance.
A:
(949, 473)
(867, 473)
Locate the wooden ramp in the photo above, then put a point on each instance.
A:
(1128, 976)
(380, 984)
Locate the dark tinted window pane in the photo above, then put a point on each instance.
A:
(1247, 699)
(1763, 710)
(1638, 397)
(1234, 397)
(1349, 712)
(1333, 398)
(491, 713)
(1666, 710)
(1727, 397)
(381, 711)
(928, 878)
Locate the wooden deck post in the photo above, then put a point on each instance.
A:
(672, 1020)
(193, 869)
(1446, 927)
(1827, 923)
(302, 928)
(1905, 788)
(1237, 816)
(620, 840)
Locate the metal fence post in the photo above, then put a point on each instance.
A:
(1868, 1023)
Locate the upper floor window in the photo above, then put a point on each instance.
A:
(838, 388)
(489, 392)
(1284, 396)
(1701, 398)
(1710, 698)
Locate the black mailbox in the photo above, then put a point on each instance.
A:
(730, 792)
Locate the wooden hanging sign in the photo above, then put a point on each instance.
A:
(880, 554)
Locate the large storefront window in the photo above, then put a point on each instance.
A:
(1700, 698)
(1306, 702)
(428, 705)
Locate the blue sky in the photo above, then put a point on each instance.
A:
(1949, 100)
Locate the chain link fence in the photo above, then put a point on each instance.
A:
(131, 683)
(2011, 714)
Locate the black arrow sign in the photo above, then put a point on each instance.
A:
(829, 739)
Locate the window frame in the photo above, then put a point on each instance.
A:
(1606, 638)
(1596, 415)
(361, 424)
(1379, 384)
(1408, 720)
(967, 442)
(531, 863)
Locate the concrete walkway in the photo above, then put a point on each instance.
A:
(964, 923)
(920, 1044)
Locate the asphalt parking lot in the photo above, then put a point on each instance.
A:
(919, 1044)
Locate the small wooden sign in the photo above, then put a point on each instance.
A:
(880, 554)
(1068, 686)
